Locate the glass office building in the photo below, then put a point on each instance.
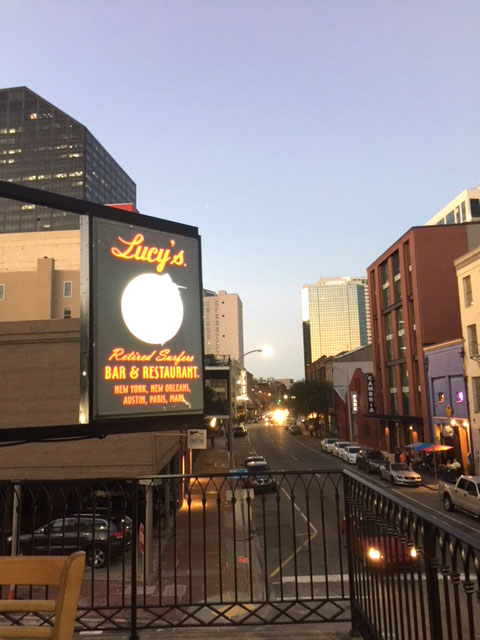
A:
(335, 317)
(44, 148)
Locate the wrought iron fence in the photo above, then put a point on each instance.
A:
(280, 548)
(412, 577)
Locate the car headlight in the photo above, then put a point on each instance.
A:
(374, 554)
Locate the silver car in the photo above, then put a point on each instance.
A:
(400, 473)
(327, 444)
(349, 454)
(337, 446)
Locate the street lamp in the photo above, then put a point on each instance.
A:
(266, 351)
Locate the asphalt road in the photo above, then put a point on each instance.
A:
(286, 452)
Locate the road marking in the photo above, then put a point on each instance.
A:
(304, 544)
(435, 511)
(307, 447)
(294, 457)
(334, 577)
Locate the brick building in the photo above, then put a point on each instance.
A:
(414, 304)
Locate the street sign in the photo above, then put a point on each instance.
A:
(197, 439)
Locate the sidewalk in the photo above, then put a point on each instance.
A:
(216, 460)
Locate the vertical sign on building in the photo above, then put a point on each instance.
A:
(147, 322)
(370, 393)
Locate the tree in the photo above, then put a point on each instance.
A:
(308, 396)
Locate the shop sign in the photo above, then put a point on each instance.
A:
(197, 439)
(370, 393)
(147, 322)
(354, 397)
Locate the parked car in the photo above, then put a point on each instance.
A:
(338, 445)
(379, 547)
(295, 430)
(349, 454)
(400, 473)
(259, 478)
(370, 460)
(463, 495)
(240, 431)
(253, 458)
(99, 536)
(327, 444)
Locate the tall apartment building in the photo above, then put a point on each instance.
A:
(223, 324)
(464, 208)
(335, 317)
(414, 304)
(43, 147)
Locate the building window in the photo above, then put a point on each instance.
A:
(2, 292)
(392, 390)
(388, 336)
(467, 291)
(385, 284)
(67, 289)
(441, 397)
(472, 340)
(67, 314)
(476, 394)
(397, 293)
(400, 333)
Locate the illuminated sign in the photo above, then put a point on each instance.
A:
(370, 393)
(147, 321)
(354, 398)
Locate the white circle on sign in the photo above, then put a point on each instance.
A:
(152, 308)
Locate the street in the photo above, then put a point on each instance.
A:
(303, 453)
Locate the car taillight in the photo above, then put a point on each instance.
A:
(118, 535)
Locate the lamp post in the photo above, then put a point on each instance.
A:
(266, 351)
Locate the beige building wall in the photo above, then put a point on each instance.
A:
(223, 324)
(45, 293)
(457, 210)
(468, 276)
(20, 251)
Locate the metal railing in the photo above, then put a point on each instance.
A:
(411, 576)
(229, 550)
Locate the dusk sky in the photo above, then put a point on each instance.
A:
(302, 138)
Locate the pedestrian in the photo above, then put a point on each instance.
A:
(402, 457)
(455, 465)
(396, 455)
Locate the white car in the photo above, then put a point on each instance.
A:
(339, 444)
(327, 444)
(400, 473)
(349, 454)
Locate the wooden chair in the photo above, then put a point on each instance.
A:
(55, 571)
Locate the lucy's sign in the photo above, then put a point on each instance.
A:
(147, 330)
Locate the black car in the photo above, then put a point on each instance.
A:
(240, 431)
(259, 477)
(370, 460)
(295, 430)
(100, 537)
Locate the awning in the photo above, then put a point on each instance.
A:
(407, 420)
